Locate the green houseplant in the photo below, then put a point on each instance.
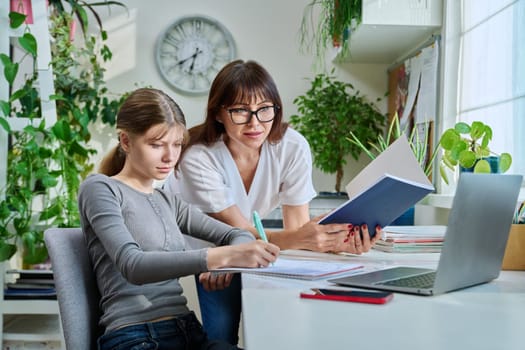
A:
(329, 23)
(326, 112)
(467, 146)
(46, 163)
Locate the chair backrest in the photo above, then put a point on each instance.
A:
(77, 292)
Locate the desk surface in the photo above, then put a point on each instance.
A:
(488, 316)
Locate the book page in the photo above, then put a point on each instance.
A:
(397, 160)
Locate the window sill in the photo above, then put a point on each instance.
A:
(445, 200)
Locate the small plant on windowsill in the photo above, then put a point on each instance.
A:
(467, 146)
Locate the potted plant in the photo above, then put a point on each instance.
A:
(467, 146)
(46, 163)
(326, 112)
(514, 258)
(329, 23)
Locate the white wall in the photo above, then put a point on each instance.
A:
(265, 31)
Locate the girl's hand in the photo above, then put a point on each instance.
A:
(254, 254)
(215, 281)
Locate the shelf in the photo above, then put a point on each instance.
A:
(28, 323)
(32, 328)
(30, 306)
(392, 29)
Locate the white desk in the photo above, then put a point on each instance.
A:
(489, 316)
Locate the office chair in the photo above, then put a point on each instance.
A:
(76, 287)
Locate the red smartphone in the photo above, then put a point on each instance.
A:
(356, 296)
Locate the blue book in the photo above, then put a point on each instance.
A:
(386, 188)
(379, 204)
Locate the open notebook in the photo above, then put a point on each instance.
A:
(299, 269)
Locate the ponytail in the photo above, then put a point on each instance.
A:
(113, 162)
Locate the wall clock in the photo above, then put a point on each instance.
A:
(191, 51)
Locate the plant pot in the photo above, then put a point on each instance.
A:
(493, 162)
(514, 258)
(36, 256)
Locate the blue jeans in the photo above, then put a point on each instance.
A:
(184, 332)
(221, 310)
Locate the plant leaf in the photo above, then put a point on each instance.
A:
(482, 166)
(28, 42)
(477, 130)
(10, 68)
(443, 173)
(5, 124)
(449, 138)
(16, 19)
(462, 128)
(5, 108)
(467, 159)
(6, 251)
(505, 162)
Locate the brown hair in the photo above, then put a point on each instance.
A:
(144, 108)
(238, 82)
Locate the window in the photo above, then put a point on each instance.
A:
(486, 52)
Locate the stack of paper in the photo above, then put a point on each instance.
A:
(412, 239)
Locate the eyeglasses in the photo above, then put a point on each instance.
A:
(241, 116)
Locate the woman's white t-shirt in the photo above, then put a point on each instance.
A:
(209, 178)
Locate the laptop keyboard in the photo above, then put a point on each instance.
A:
(425, 280)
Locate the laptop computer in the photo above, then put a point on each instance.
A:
(474, 244)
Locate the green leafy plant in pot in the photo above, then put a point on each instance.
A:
(326, 113)
(467, 146)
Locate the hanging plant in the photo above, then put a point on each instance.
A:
(329, 23)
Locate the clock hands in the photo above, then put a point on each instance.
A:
(192, 57)
(193, 60)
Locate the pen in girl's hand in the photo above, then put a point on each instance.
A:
(259, 227)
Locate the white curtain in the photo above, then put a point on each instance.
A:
(483, 74)
(491, 73)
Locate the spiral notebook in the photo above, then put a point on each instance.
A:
(299, 269)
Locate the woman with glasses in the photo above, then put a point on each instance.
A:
(244, 158)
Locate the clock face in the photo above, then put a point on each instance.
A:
(191, 52)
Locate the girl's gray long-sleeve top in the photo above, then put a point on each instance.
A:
(137, 249)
